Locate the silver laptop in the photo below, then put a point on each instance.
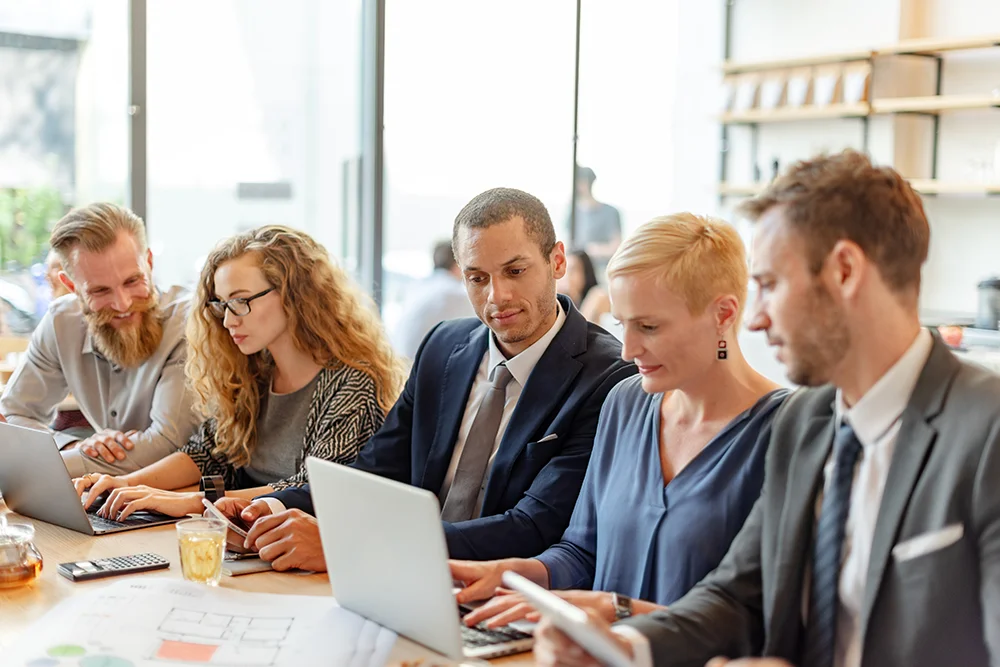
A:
(387, 559)
(34, 482)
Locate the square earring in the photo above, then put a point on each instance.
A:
(722, 352)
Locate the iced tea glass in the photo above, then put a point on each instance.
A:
(202, 543)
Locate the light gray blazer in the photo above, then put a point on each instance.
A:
(934, 602)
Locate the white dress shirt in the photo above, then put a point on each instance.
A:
(520, 368)
(876, 420)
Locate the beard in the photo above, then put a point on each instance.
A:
(132, 344)
(822, 342)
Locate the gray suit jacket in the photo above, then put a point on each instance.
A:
(939, 608)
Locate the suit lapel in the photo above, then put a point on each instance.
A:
(797, 523)
(913, 446)
(456, 383)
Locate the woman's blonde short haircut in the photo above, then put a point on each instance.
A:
(698, 257)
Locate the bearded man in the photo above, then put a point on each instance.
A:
(115, 343)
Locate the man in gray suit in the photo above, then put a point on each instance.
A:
(876, 540)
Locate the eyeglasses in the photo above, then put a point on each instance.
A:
(240, 306)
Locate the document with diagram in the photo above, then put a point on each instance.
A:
(152, 622)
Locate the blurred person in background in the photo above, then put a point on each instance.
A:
(52, 269)
(581, 285)
(598, 225)
(435, 299)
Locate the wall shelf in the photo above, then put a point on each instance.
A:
(730, 67)
(788, 114)
(925, 186)
(936, 46)
(911, 47)
(934, 103)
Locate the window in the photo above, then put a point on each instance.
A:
(63, 133)
(477, 95)
(253, 119)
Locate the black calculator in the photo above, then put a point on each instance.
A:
(86, 570)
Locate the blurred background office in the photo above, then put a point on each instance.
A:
(209, 118)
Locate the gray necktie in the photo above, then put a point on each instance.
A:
(460, 505)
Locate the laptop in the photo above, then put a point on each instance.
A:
(387, 561)
(34, 482)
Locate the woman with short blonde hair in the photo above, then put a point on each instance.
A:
(287, 359)
(678, 460)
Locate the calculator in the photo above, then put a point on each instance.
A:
(109, 567)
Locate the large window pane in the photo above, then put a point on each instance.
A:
(627, 106)
(477, 95)
(63, 133)
(253, 119)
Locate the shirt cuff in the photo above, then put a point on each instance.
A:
(275, 504)
(642, 653)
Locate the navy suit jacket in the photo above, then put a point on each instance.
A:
(532, 487)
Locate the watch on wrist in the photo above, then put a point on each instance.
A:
(622, 605)
(214, 487)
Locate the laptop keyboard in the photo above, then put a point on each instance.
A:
(137, 519)
(479, 636)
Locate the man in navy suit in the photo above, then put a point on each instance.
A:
(499, 414)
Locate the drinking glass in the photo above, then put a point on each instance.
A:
(202, 543)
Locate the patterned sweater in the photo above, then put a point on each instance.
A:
(343, 415)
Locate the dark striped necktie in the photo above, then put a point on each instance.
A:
(821, 624)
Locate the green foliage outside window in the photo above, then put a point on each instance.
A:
(26, 218)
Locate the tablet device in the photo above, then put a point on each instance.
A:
(570, 619)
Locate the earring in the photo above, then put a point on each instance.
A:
(722, 349)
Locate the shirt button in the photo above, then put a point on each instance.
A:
(114, 413)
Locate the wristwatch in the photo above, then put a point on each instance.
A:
(622, 605)
(214, 487)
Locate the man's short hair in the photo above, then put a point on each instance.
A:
(94, 228)
(499, 205)
(444, 256)
(845, 196)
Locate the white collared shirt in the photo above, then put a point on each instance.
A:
(876, 420)
(520, 367)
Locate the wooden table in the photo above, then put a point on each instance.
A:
(20, 607)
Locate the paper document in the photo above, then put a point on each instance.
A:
(153, 622)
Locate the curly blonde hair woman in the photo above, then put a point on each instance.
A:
(287, 359)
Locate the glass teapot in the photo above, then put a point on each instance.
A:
(20, 562)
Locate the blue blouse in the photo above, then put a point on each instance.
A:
(632, 534)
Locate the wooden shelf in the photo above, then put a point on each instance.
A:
(928, 46)
(934, 103)
(785, 114)
(933, 46)
(928, 186)
(731, 67)
(924, 186)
